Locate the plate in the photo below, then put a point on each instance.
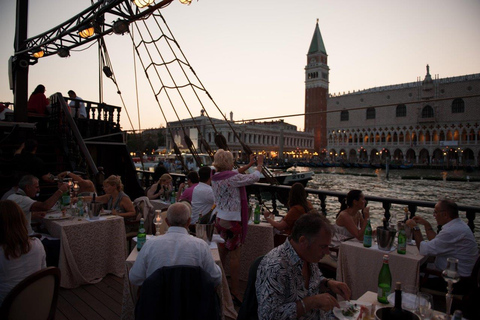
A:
(408, 300)
(57, 216)
(344, 305)
(105, 212)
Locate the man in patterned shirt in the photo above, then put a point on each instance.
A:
(289, 284)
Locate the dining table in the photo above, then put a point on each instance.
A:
(130, 291)
(359, 266)
(89, 249)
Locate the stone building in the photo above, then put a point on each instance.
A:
(434, 121)
(270, 138)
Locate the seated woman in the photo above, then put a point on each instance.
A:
(352, 219)
(115, 199)
(298, 204)
(162, 189)
(20, 256)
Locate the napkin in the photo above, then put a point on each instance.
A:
(93, 220)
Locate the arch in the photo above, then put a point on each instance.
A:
(344, 115)
(370, 113)
(398, 155)
(407, 137)
(377, 137)
(385, 153)
(362, 155)
(424, 156)
(395, 137)
(374, 155)
(437, 156)
(442, 135)
(411, 156)
(401, 137)
(421, 137)
(427, 112)
(428, 138)
(471, 135)
(414, 137)
(456, 135)
(365, 139)
(435, 136)
(352, 155)
(401, 111)
(458, 106)
(382, 137)
(355, 138)
(389, 137)
(342, 155)
(468, 157)
(449, 135)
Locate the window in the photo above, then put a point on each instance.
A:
(401, 110)
(344, 115)
(370, 113)
(458, 106)
(427, 112)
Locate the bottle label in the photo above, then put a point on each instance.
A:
(140, 242)
(367, 241)
(383, 292)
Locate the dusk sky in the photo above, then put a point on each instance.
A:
(251, 54)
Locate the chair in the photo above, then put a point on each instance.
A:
(34, 298)
(466, 292)
(248, 310)
(178, 292)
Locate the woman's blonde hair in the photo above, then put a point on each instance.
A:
(165, 177)
(223, 160)
(114, 180)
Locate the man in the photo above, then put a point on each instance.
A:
(28, 188)
(176, 247)
(455, 240)
(202, 195)
(74, 105)
(186, 194)
(289, 284)
(26, 161)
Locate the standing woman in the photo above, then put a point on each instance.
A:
(232, 209)
(352, 219)
(38, 102)
(117, 200)
(20, 255)
(297, 204)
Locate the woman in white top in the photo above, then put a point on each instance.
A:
(352, 219)
(20, 255)
(232, 208)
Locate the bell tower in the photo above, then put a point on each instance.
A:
(316, 90)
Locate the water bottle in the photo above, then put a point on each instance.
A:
(141, 236)
(402, 239)
(256, 215)
(172, 197)
(81, 209)
(367, 236)
(384, 281)
(66, 199)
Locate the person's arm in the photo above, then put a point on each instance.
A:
(279, 225)
(248, 165)
(417, 234)
(50, 202)
(181, 187)
(344, 220)
(127, 206)
(151, 192)
(19, 150)
(431, 234)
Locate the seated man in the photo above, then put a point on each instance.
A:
(186, 194)
(28, 188)
(202, 196)
(455, 240)
(176, 247)
(289, 284)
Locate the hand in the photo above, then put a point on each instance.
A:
(61, 175)
(324, 301)
(340, 288)
(252, 159)
(420, 220)
(38, 214)
(114, 212)
(266, 214)
(366, 213)
(260, 158)
(411, 223)
(63, 187)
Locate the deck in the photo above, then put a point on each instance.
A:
(96, 301)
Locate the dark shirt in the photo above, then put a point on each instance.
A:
(28, 163)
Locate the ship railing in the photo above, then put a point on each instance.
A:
(280, 193)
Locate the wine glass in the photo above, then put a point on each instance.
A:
(424, 303)
(450, 274)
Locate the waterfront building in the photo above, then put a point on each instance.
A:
(434, 121)
(270, 137)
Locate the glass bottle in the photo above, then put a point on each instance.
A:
(384, 281)
(367, 236)
(396, 312)
(402, 239)
(81, 210)
(256, 216)
(141, 236)
(172, 197)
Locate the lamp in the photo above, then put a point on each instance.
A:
(143, 3)
(39, 54)
(187, 2)
(157, 221)
(87, 32)
(120, 26)
(63, 52)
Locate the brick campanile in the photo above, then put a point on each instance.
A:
(316, 90)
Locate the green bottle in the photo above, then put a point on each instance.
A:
(141, 236)
(256, 215)
(384, 281)
(172, 197)
(402, 239)
(367, 236)
(66, 198)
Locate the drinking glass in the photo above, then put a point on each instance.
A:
(450, 274)
(425, 305)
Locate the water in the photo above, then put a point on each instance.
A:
(374, 182)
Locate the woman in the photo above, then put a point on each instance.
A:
(38, 102)
(352, 219)
(163, 188)
(20, 256)
(298, 204)
(232, 209)
(115, 198)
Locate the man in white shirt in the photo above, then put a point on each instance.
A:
(74, 105)
(176, 247)
(202, 196)
(455, 240)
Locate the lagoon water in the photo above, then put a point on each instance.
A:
(374, 182)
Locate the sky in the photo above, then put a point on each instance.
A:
(251, 54)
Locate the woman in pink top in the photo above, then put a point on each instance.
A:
(20, 255)
(232, 208)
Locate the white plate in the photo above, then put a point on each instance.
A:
(408, 300)
(57, 216)
(345, 304)
(105, 212)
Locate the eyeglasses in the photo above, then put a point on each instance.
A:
(435, 212)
